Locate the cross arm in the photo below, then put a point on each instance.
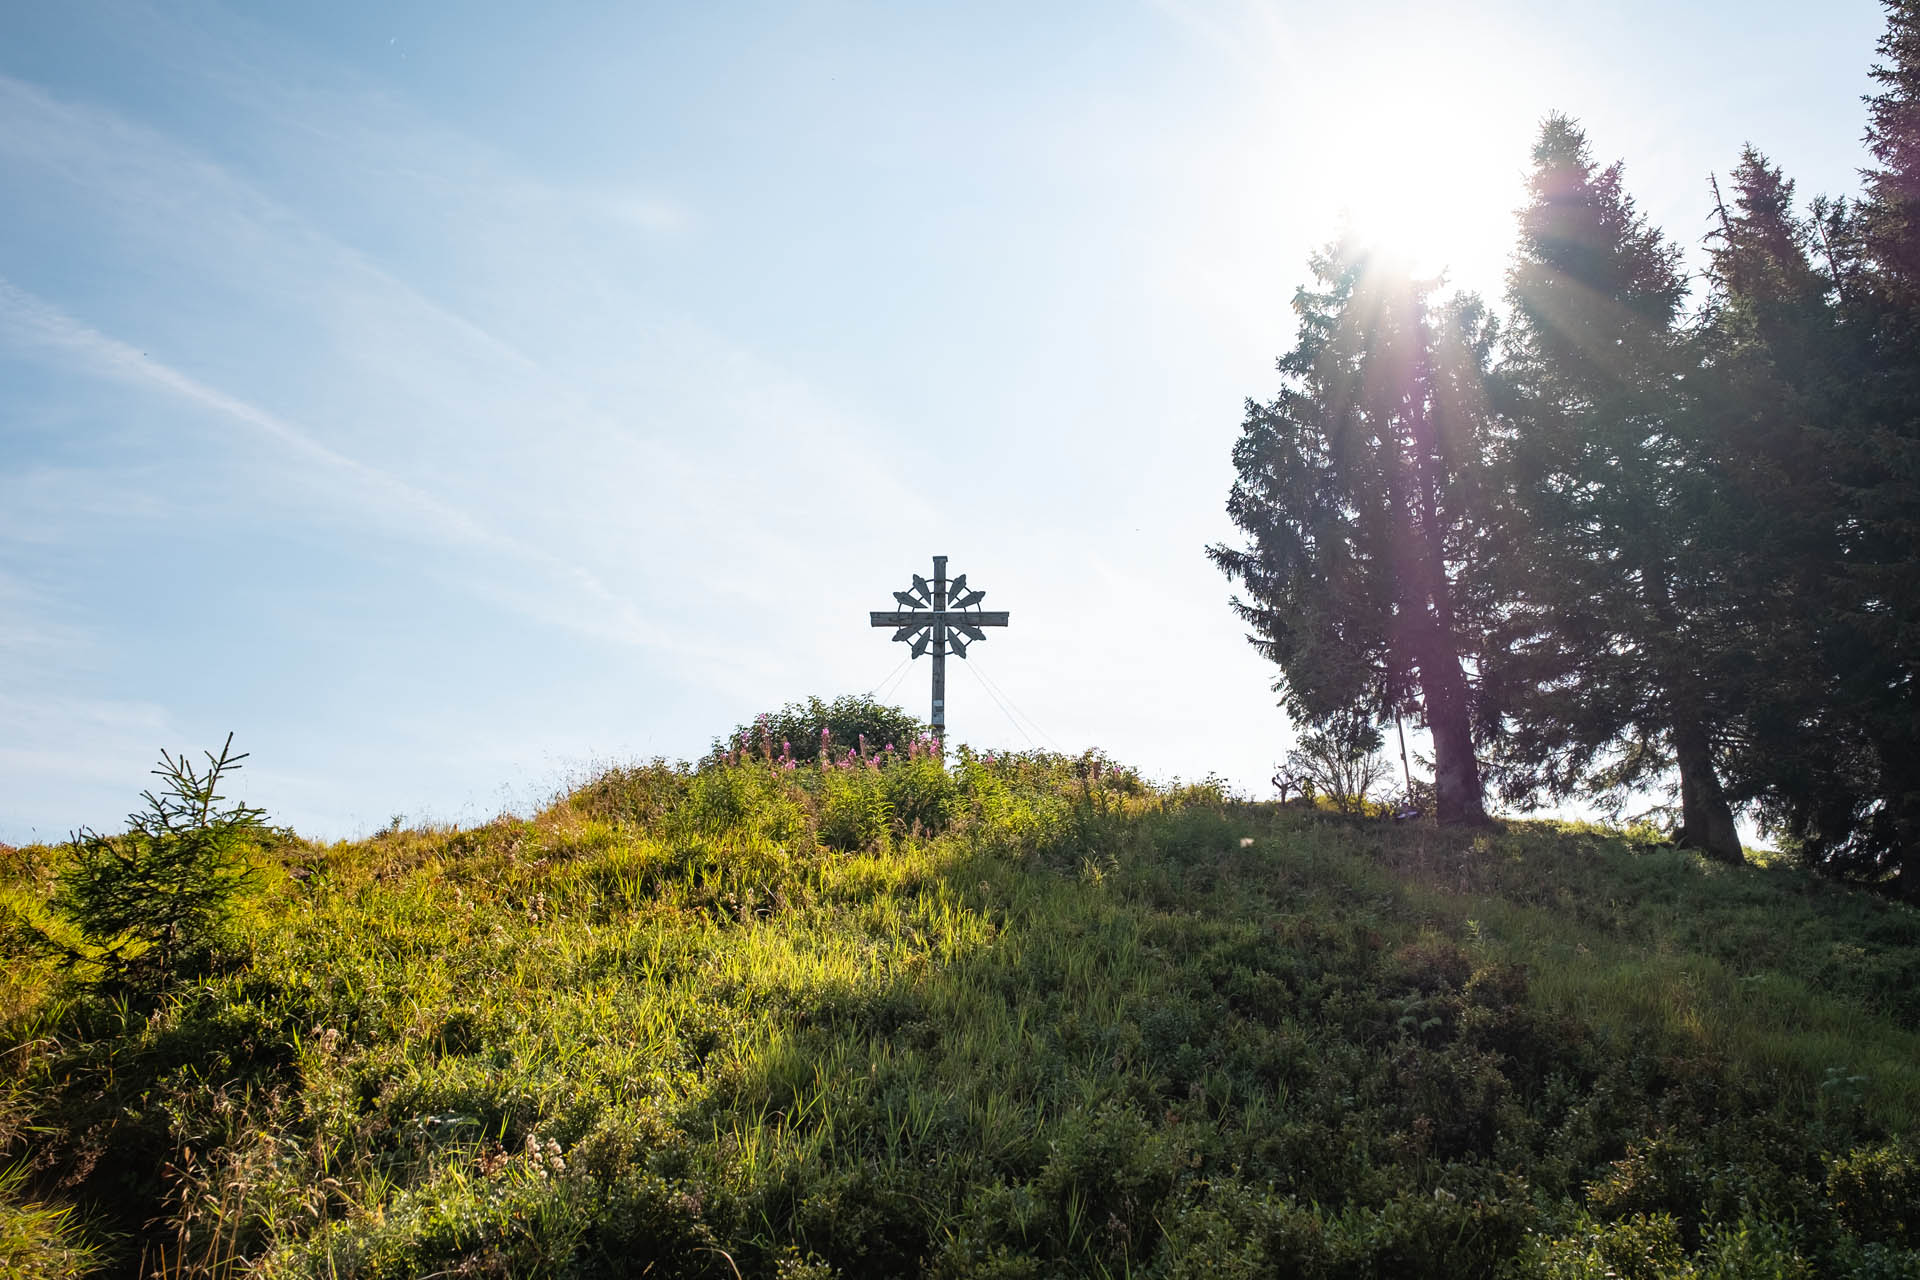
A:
(952, 617)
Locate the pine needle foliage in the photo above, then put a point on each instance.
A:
(1608, 660)
(162, 888)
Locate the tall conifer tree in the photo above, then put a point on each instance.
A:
(1883, 526)
(1605, 652)
(1780, 365)
(1814, 363)
(1357, 490)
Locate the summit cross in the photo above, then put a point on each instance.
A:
(938, 614)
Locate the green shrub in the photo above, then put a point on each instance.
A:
(794, 731)
(1657, 1179)
(924, 797)
(723, 801)
(854, 810)
(1876, 1192)
(1339, 758)
(1753, 1250)
(1638, 1247)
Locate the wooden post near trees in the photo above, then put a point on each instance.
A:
(935, 615)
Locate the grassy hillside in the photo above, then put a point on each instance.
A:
(1028, 1017)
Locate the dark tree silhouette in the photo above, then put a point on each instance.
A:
(1357, 491)
(1605, 653)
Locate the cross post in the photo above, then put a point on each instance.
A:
(936, 615)
(940, 649)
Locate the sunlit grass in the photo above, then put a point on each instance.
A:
(1087, 1028)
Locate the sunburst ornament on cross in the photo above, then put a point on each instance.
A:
(935, 615)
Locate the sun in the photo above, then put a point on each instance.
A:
(1428, 173)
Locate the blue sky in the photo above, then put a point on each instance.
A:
(445, 398)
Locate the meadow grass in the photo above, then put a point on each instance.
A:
(1027, 1016)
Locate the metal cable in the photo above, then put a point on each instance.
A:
(1003, 708)
(887, 679)
(993, 684)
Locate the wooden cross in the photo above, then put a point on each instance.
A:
(938, 614)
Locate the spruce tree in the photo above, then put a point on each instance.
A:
(1605, 656)
(1357, 489)
(1779, 367)
(1882, 618)
(1814, 356)
(1822, 316)
(165, 888)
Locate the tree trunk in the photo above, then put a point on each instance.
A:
(1457, 797)
(1706, 819)
(1457, 793)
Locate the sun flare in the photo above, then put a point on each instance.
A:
(1428, 175)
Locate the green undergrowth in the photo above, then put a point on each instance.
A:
(1023, 1017)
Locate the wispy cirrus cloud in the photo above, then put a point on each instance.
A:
(619, 433)
(32, 322)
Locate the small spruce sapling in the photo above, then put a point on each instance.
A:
(144, 898)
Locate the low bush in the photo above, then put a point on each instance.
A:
(802, 731)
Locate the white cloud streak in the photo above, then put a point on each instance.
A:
(29, 321)
(538, 450)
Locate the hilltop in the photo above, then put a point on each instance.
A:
(1026, 1016)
